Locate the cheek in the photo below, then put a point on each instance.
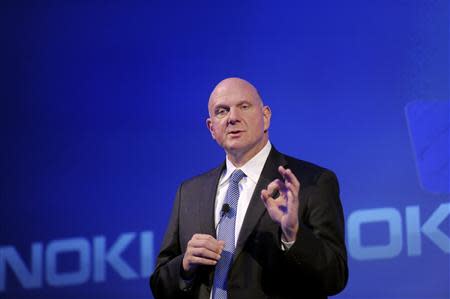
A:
(260, 125)
(217, 131)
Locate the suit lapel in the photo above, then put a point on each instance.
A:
(207, 200)
(256, 207)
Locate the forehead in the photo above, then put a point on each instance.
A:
(232, 97)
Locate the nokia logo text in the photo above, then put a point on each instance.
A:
(91, 262)
(410, 227)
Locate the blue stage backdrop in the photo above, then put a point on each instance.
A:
(103, 107)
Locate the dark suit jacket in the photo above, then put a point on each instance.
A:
(314, 267)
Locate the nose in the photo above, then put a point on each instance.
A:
(233, 115)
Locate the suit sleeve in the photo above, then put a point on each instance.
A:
(319, 249)
(166, 282)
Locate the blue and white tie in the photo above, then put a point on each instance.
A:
(226, 233)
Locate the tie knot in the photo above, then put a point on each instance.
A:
(237, 176)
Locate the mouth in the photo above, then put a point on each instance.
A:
(235, 133)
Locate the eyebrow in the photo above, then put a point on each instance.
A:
(218, 106)
(226, 106)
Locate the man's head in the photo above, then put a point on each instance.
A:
(238, 119)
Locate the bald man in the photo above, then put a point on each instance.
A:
(275, 232)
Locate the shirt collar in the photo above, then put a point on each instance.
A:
(252, 168)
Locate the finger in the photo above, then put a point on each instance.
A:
(203, 237)
(289, 176)
(291, 181)
(291, 188)
(275, 188)
(201, 261)
(265, 195)
(266, 198)
(206, 242)
(281, 186)
(272, 188)
(292, 178)
(204, 253)
(282, 171)
(272, 206)
(269, 201)
(292, 202)
(292, 218)
(214, 247)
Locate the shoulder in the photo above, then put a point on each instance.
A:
(309, 172)
(203, 179)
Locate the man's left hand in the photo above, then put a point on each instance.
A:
(284, 208)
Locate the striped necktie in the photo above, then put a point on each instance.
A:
(226, 233)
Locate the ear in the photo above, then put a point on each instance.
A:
(267, 114)
(210, 127)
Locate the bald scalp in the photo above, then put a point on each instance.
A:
(231, 86)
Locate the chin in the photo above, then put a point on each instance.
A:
(236, 148)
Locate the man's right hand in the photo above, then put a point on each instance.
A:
(201, 250)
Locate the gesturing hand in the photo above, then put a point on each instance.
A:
(284, 209)
(201, 249)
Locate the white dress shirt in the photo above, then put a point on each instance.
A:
(252, 170)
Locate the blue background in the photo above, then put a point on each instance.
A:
(103, 108)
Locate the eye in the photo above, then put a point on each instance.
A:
(221, 112)
(245, 106)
